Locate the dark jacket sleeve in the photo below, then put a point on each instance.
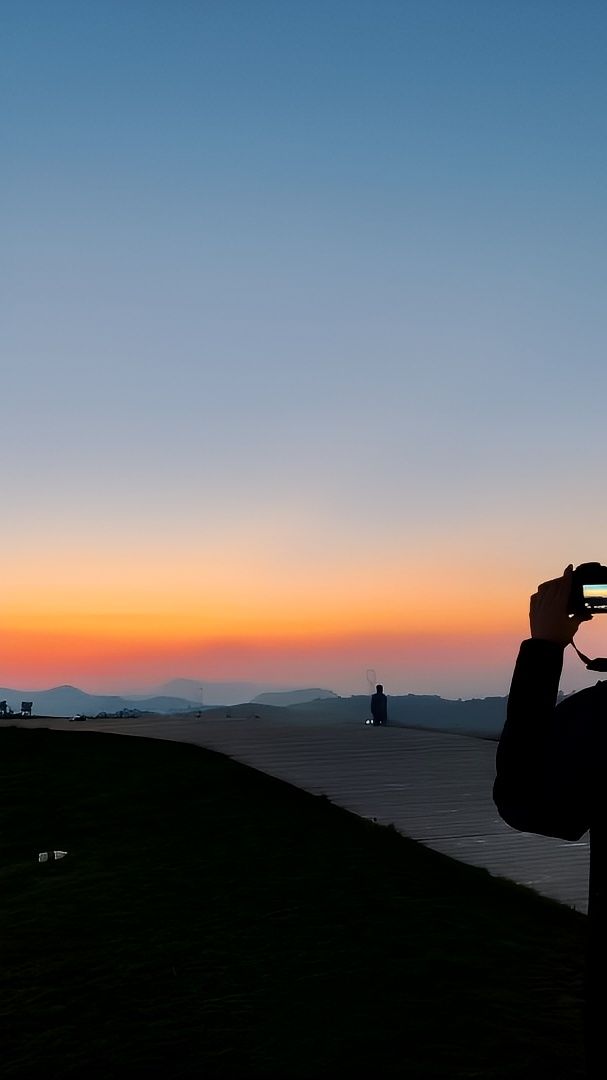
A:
(544, 753)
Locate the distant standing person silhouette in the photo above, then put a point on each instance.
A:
(379, 706)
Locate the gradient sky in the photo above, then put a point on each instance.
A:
(303, 337)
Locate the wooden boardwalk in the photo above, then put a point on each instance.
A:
(433, 787)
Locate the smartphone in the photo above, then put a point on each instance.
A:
(595, 598)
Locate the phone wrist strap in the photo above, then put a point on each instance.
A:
(600, 664)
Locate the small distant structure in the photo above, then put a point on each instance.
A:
(3, 708)
(26, 708)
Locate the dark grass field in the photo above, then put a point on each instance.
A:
(212, 922)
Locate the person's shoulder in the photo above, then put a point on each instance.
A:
(587, 700)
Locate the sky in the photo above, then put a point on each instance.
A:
(303, 338)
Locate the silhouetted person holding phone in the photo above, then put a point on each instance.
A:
(379, 706)
(551, 771)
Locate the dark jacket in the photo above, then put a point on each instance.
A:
(379, 708)
(550, 780)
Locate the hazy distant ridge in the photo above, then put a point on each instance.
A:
(68, 700)
(221, 693)
(477, 716)
(293, 697)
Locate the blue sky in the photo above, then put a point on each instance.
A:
(328, 276)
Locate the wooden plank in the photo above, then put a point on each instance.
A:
(433, 787)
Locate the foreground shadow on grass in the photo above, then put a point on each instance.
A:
(211, 921)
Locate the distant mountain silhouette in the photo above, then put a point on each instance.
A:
(217, 693)
(292, 697)
(69, 700)
(476, 716)
(479, 717)
(482, 717)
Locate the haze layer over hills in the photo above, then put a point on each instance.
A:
(481, 717)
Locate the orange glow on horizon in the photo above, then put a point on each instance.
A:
(231, 611)
(96, 660)
(299, 614)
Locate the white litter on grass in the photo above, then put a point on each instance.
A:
(51, 856)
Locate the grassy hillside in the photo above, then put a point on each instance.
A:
(212, 922)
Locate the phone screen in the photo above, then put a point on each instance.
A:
(595, 598)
